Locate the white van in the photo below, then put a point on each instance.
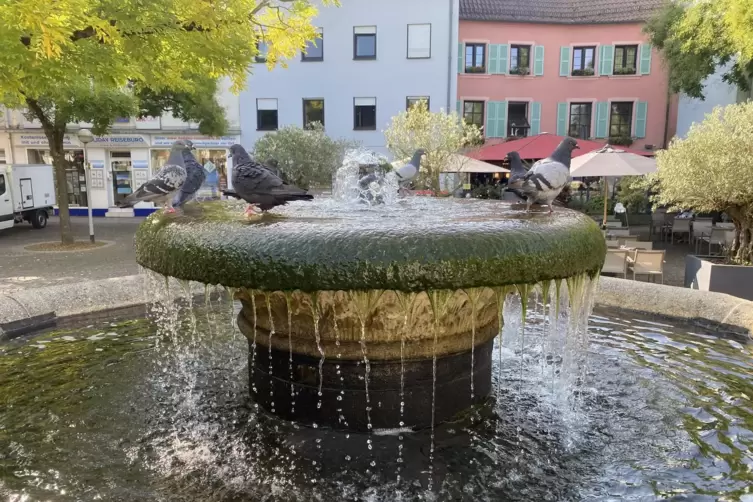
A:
(27, 193)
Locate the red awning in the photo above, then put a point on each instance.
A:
(541, 146)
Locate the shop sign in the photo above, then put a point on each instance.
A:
(40, 140)
(148, 123)
(198, 140)
(120, 140)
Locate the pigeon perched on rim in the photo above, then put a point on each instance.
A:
(195, 176)
(409, 171)
(163, 186)
(258, 185)
(546, 178)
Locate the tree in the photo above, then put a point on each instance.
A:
(633, 194)
(441, 134)
(709, 171)
(95, 60)
(697, 37)
(307, 157)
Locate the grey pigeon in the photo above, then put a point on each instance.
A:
(195, 176)
(410, 170)
(162, 187)
(258, 185)
(546, 178)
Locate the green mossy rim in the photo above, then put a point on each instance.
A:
(214, 245)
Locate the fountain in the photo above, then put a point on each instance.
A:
(366, 319)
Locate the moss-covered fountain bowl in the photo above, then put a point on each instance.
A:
(348, 304)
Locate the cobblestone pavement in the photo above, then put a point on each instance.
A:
(20, 268)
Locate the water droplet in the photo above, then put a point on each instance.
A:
(372, 464)
(347, 457)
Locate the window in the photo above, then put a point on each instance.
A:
(364, 114)
(580, 120)
(364, 42)
(583, 61)
(475, 58)
(473, 113)
(625, 59)
(517, 122)
(261, 52)
(2, 184)
(266, 114)
(313, 111)
(419, 41)
(520, 59)
(410, 101)
(620, 120)
(314, 49)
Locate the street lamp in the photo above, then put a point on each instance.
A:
(85, 136)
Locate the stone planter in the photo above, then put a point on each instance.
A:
(705, 275)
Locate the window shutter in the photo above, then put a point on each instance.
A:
(490, 131)
(538, 60)
(602, 119)
(564, 61)
(502, 60)
(501, 119)
(606, 60)
(461, 57)
(535, 118)
(459, 108)
(562, 119)
(493, 58)
(645, 59)
(641, 110)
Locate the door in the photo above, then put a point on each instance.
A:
(27, 194)
(6, 204)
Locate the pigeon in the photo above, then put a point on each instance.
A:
(162, 187)
(410, 170)
(546, 178)
(258, 185)
(194, 179)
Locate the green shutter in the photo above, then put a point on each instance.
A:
(641, 110)
(496, 119)
(564, 61)
(502, 60)
(459, 108)
(538, 60)
(461, 56)
(645, 59)
(535, 118)
(606, 60)
(561, 119)
(493, 58)
(491, 119)
(602, 119)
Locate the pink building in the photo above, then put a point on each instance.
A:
(577, 67)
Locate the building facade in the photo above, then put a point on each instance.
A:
(123, 159)
(371, 61)
(570, 67)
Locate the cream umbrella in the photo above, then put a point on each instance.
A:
(610, 161)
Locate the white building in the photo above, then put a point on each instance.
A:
(373, 58)
(716, 91)
(123, 159)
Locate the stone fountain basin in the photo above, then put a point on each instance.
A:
(358, 318)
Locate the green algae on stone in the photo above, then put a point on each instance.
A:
(215, 245)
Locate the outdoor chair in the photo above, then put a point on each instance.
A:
(649, 263)
(722, 237)
(680, 226)
(616, 262)
(613, 243)
(635, 244)
(619, 232)
(657, 223)
(700, 228)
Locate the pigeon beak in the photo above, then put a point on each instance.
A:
(229, 155)
(576, 146)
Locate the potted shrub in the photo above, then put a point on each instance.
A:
(711, 171)
(585, 72)
(621, 141)
(522, 71)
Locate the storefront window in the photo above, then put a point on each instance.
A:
(75, 176)
(215, 166)
(122, 183)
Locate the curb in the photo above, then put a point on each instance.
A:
(30, 310)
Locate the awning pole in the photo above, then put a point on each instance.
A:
(606, 195)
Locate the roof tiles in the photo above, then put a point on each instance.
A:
(559, 11)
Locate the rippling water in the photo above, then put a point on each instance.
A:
(126, 411)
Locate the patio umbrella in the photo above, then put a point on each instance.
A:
(610, 161)
(462, 164)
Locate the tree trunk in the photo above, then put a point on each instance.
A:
(54, 129)
(742, 247)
